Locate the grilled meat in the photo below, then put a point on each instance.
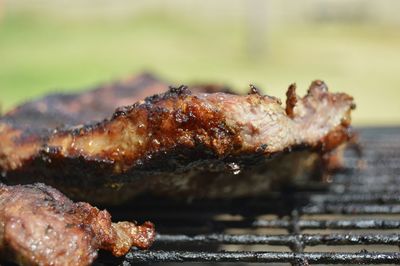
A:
(44, 115)
(40, 226)
(179, 143)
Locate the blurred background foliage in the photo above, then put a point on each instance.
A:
(61, 45)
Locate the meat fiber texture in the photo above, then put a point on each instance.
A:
(40, 226)
(186, 142)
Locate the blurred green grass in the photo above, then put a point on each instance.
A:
(42, 53)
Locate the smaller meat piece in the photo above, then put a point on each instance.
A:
(41, 226)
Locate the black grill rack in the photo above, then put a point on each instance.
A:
(355, 219)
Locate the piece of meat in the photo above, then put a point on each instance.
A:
(181, 143)
(64, 110)
(42, 116)
(40, 226)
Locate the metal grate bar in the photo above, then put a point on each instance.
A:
(358, 198)
(331, 224)
(262, 257)
(351, 209)
(284, 240)
(364, 224)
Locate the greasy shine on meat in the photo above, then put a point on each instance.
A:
(40, 226)
(181, 143)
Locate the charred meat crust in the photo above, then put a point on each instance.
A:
(40, 226)
(169, 135)
(43, 115)
(291, 100)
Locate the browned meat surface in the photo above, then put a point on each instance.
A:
(40, 226)
(179, 143)
(42, 116)
(65, 110)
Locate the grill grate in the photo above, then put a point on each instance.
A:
(355, 219)
(298, 258)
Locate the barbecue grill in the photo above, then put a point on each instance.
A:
(353, 219)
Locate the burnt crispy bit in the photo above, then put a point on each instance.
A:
(179, 143)
(40, 226)
(254, 90)
(291, 100)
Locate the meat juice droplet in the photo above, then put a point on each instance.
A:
(234, 168)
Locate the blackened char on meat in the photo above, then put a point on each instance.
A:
(40, 226)
(181, 143)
